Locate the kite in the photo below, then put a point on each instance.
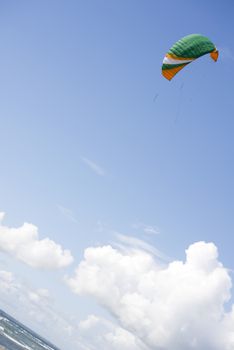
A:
(185, 51)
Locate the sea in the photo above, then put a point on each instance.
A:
(15, 336)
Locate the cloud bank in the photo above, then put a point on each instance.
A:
(24, 244)
(179, 306)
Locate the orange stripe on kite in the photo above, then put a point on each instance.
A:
(170, 73)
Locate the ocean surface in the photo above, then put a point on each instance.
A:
(15, 336)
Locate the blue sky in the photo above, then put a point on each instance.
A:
(97, 144)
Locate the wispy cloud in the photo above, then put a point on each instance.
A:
(130, 242)
(67, 213)
(93, 166)
(148, 229)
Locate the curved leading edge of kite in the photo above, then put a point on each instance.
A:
(185, 51)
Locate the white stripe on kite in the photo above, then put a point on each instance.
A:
(168, 60)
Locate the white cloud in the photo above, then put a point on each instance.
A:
(99, 333)
(36, 308)
(2, 215)
(120, 339)
(6, 279)
(23, 243)
(179, 306)
(38, 295)
(93, 166)
(88, 323)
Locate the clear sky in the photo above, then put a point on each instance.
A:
(100, 152)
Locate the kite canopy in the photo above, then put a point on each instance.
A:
(185, 51)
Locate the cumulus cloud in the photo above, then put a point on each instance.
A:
(178, 306)
(24, 244)
(36, 308)
(88, 323)
(100, 333)
(120, 339)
